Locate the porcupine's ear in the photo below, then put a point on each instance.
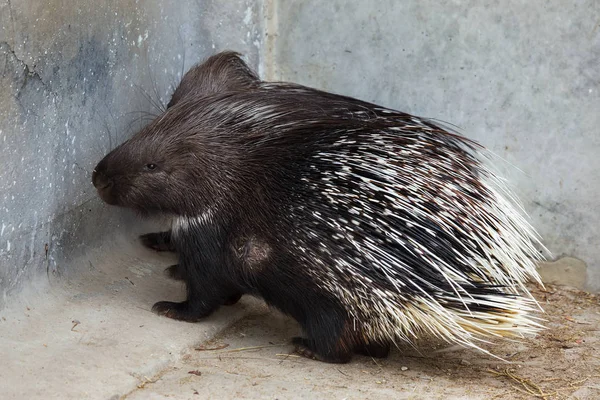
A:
(223, 72)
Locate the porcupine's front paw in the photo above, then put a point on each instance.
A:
(174, 272)
(158, 241)
(306, 348)
(179, 311)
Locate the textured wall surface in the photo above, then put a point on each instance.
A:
(522, 78)
(78, 77)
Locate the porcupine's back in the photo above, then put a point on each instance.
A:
(396, 218)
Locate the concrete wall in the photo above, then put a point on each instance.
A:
(521, 77)
(77, 75)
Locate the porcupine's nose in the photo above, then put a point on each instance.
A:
(101, 181)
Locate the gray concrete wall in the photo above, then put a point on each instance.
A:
(521, 77)
(73, 77)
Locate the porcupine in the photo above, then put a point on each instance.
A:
(367, 225)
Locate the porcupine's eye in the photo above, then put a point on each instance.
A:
(150, 167)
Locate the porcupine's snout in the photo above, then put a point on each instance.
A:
(103, 184)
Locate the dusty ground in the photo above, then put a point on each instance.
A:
(252, 359)
(95, 337)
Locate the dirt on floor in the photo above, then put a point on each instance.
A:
(253, 359)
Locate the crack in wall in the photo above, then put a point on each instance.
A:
(28, 72)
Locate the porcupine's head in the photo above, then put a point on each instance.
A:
(153, 171)
(174, 164)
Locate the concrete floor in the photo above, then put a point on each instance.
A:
(95, 338)
(252, 360)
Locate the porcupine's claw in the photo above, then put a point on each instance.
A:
(179, 311)
(184, 311)
(305, 348)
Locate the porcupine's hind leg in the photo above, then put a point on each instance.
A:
(375, 350)
(341, 354)
(309, 348)
(271, 271)
(327, 340)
